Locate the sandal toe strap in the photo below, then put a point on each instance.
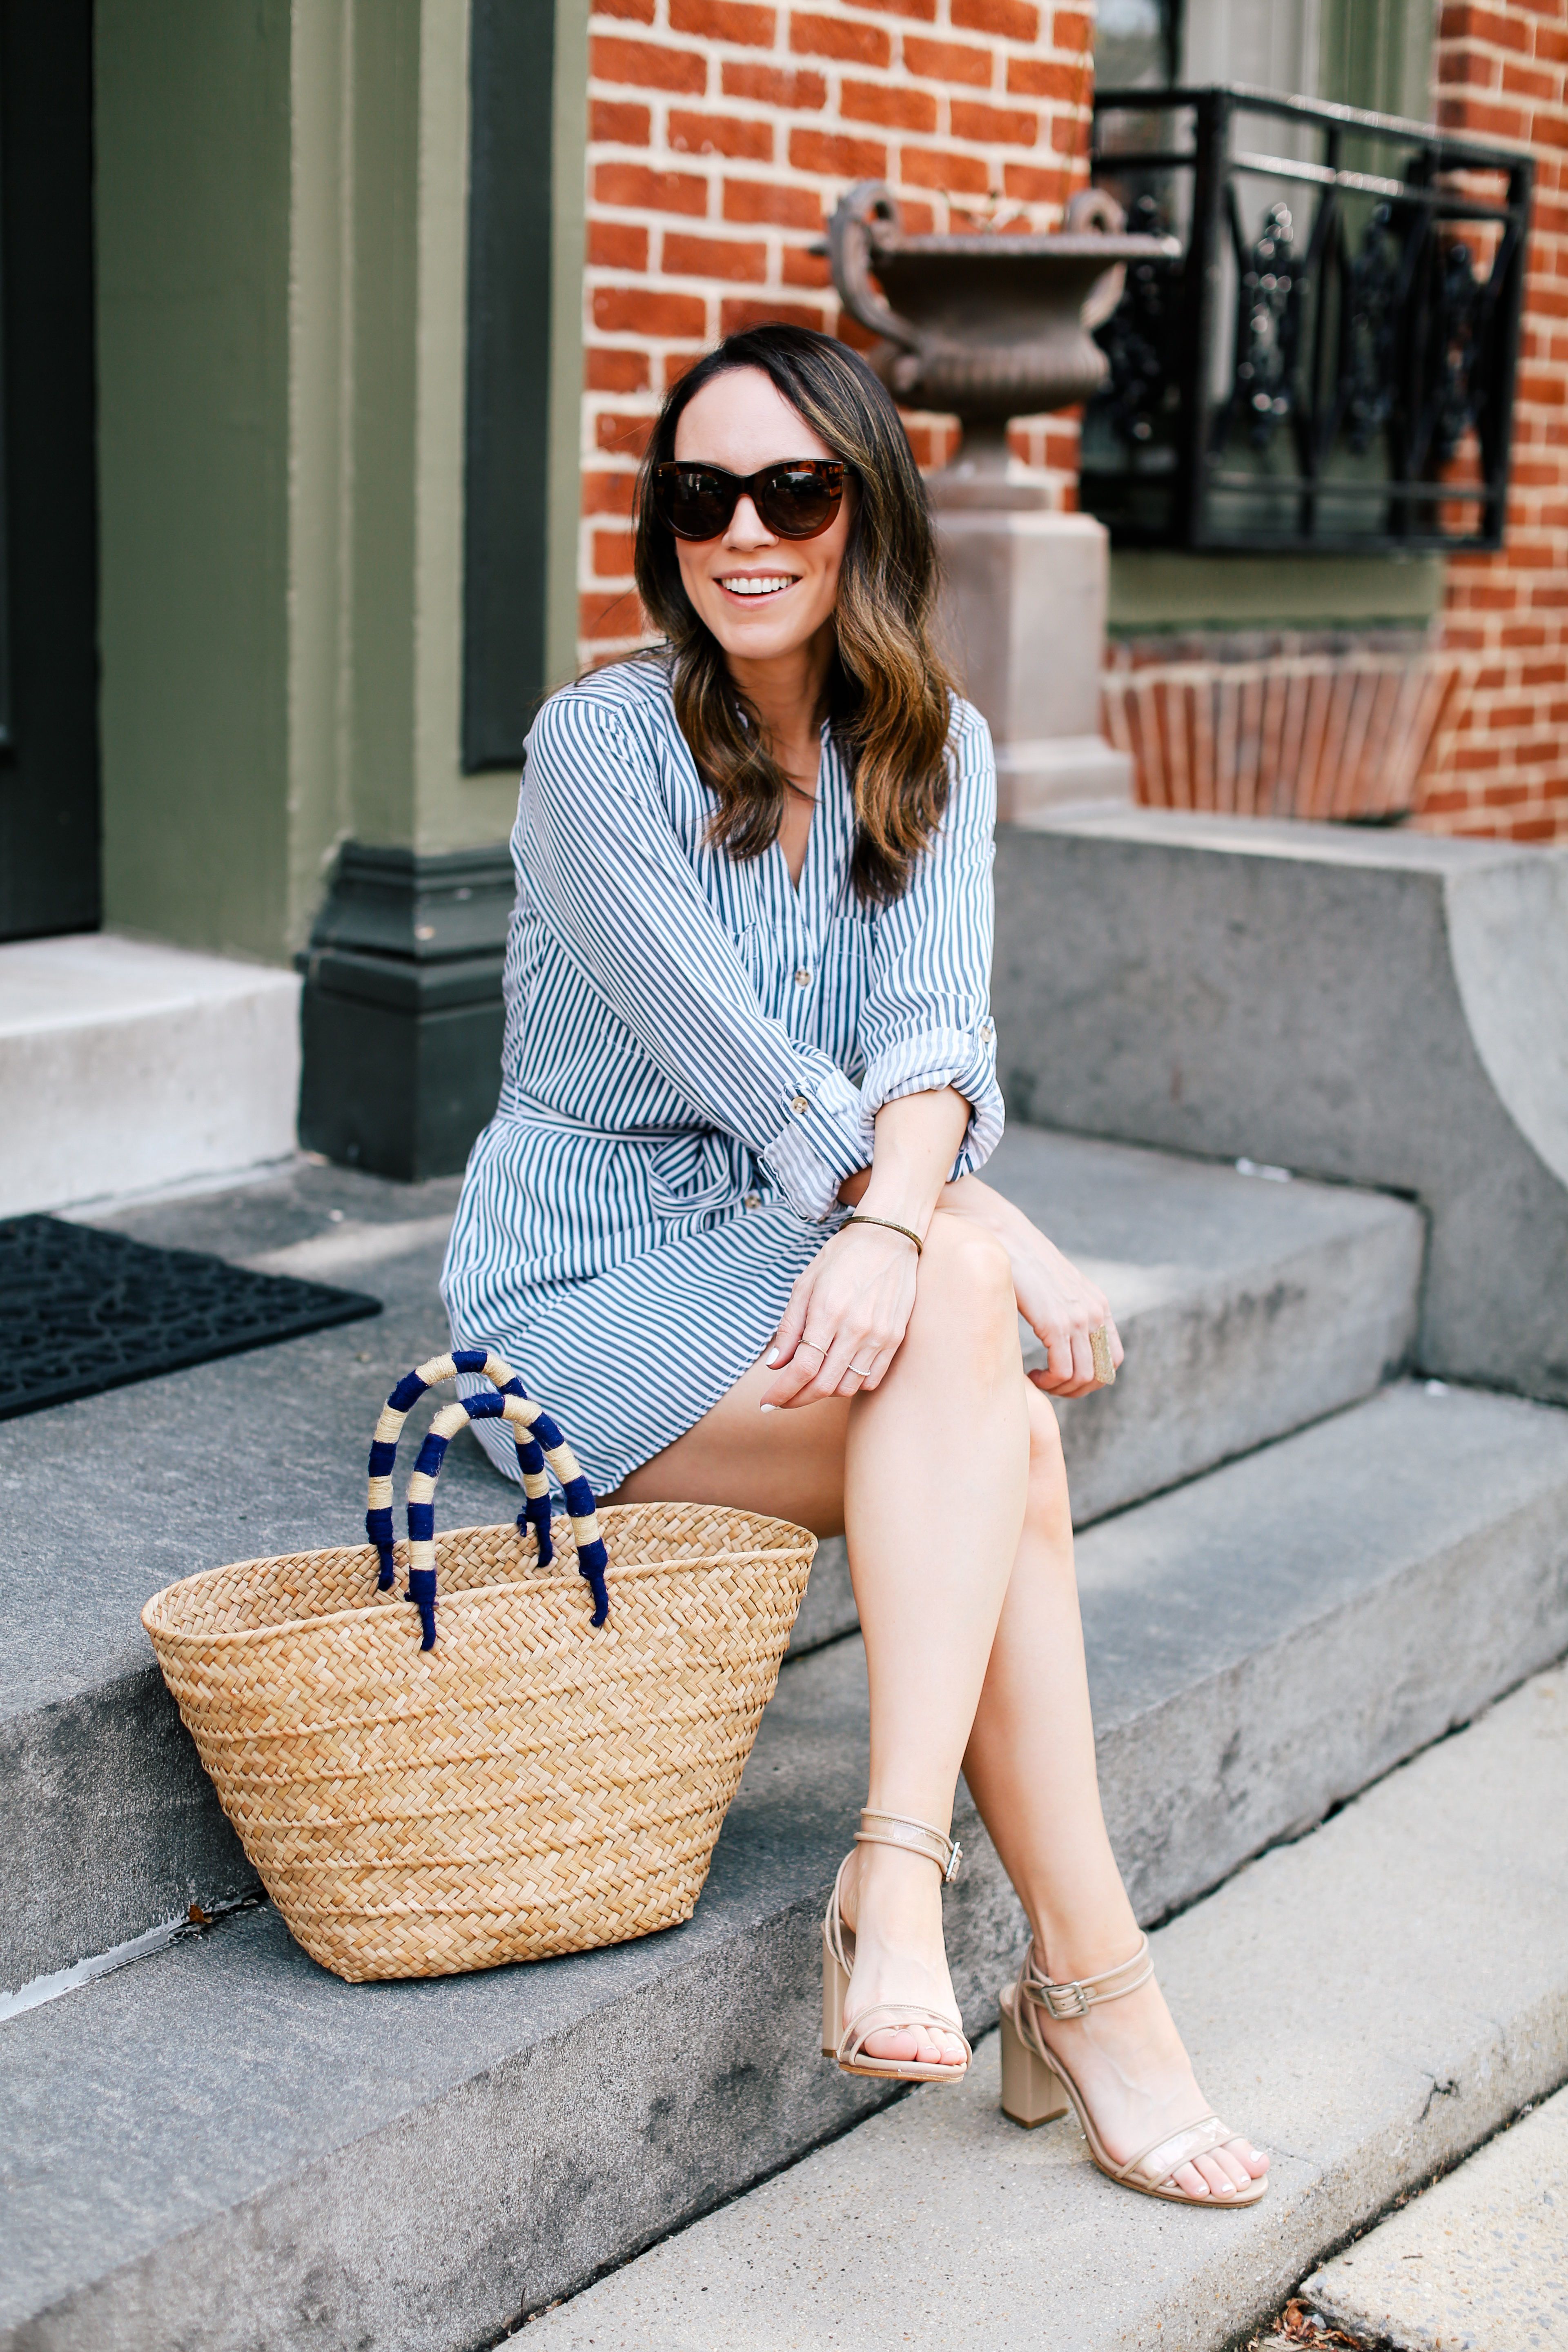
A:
(888, 2015)
(1155, 2165)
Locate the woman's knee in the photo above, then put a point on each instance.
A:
(958, 1250)
(965, 1273)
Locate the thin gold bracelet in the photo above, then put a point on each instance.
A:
(910, 1235)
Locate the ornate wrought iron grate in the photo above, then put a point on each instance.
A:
(1331, 361)
(84, 1310)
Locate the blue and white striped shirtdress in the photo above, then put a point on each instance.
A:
(695, 1053)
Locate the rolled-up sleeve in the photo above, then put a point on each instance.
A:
(594, 847)
(927, 1020)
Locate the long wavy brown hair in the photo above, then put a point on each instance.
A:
(889, 695)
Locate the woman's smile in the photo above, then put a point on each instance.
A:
(751, 585)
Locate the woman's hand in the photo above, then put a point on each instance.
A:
(848, 1311)
(1059, 1305)
(845, 1318)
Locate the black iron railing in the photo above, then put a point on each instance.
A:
(1331, 361)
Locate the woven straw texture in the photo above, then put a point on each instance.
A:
(531, 1785)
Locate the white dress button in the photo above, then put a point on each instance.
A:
(753, 1200)
(803, 979)
(800, 1105)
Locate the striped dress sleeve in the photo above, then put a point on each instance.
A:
(596, 849)
(927, 1019)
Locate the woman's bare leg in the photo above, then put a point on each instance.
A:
(1030, 1766)
(789, 1465)
(948, 1423)
(935, 1484)
(1030, 1755)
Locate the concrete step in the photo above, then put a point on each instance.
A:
(157, 1066)
(1253, 1305)
(1331, 1997)
(1479, 2261)
(111, 1826)
(1362, 1002)
(223, 2146)
(1248, 1307)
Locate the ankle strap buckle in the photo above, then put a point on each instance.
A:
(913, 1837)
(1078, 1995)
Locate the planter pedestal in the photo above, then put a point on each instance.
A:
(1023, 619)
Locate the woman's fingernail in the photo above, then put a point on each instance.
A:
(769, 1408)
(772, 1357)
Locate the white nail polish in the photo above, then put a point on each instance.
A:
(772, 1357)
(769, 1408)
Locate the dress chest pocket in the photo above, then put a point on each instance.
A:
(849, 956)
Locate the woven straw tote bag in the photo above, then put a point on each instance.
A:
(542, 1764)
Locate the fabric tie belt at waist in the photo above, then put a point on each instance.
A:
(692, 1171)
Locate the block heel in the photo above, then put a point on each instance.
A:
(1032, 2092)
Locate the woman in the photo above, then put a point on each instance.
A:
(746, 992)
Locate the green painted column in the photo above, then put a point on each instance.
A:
(282, 206)
(191, 131)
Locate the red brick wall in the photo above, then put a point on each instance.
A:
(1501, 73)
(721, 135)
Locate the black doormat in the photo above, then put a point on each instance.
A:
(83, 1310)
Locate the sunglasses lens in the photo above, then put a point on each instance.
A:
(694, 501)
(794, 501)
(799, 501)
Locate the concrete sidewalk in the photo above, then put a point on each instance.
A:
(1479, 2263)
(1368, 2003)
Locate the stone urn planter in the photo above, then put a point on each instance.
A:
(990, 327)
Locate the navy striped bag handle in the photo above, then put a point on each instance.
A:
(538, 1441)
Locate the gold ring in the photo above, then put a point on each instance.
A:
(1099, 1347)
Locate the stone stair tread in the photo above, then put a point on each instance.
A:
(195, 2136)
(230, 1460)
(1329, 1996)
(158, 1063)
(116, 1497)
(1251, 1307)
(1478, 2261)
(125, 2097)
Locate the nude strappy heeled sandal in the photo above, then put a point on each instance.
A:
(845, 2044)
(1036, 2088)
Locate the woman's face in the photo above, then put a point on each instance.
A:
(761, 595)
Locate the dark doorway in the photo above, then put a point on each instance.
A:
(48, 489)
